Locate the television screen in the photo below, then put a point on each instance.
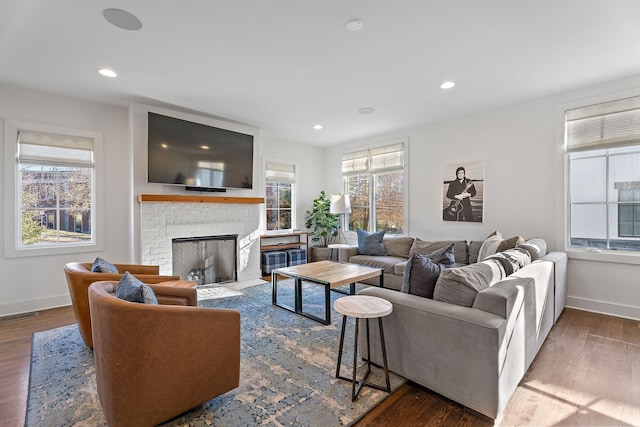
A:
(191, 154)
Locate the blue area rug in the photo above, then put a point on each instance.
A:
(286, 376)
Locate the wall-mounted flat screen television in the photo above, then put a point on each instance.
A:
(198, 156)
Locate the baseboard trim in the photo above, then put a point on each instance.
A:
(602, 307)
(28, 306)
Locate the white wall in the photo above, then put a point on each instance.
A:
(522, 148)
(33, 283)
(309, 169)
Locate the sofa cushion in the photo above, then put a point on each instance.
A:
(370, 243)
(103, 266)
(420, 276)
(133, 290)
(397, 245)
(387, 263)
(460, 251)
(536, 247)
(490, 245)
(460, 285)
(398, 269)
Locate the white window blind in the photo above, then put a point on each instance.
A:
(280, 172)
(610, 124)
(53, 149)
(390, 157)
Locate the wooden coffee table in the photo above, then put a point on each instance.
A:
(329, 274)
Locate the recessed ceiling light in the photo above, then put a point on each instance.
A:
(366, 110)
(447, 85)
(317, 127)
(204, 147)
(107, 72)
(355, 25)
(122, 19)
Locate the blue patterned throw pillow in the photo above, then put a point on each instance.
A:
(371, 243)
(103, 266)
(131, 289)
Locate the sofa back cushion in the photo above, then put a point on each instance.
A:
(397, 245)
(461, 285)
(460, 251)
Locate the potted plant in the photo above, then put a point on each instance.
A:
(322, 225)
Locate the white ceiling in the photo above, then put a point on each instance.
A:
(286, 65)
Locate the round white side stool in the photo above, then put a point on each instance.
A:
(363, 307)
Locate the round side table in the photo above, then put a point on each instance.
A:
(363, 307)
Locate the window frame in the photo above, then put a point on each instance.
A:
(373, 182)
(294, 190)
(563, 196)
(12, 215)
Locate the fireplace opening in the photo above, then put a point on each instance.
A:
(205, 260)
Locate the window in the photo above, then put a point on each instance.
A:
(55, 181)
(281, 180)
(603, 145)
(374, 180)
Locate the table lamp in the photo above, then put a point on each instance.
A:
(340, 205)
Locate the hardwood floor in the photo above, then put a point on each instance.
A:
(586, 374)
(15, 359)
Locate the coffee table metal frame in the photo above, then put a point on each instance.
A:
(300, 273)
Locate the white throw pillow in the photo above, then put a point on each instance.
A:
(490, 245)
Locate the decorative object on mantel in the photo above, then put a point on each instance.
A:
(287, 377)
(463, 192)
(176, 198)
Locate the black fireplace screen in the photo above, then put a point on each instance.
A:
(206, 260)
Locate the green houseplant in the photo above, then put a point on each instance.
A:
(322, 225)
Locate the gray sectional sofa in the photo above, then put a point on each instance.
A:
(475, 339)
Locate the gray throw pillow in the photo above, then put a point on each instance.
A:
(103, 266)
(420, 276)
(133, 290)
(370, 243)
(443, 256)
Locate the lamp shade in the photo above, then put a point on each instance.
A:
(340, 204)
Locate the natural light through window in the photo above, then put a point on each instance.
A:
(603, 144)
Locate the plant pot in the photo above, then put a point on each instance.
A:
(319, 253)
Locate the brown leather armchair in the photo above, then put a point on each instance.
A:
(155, 362)
(79, 277)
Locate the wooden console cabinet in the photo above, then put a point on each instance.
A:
(282, 241)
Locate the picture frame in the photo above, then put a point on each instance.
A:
(463, 192)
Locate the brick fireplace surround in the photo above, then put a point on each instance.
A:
(165, 217)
